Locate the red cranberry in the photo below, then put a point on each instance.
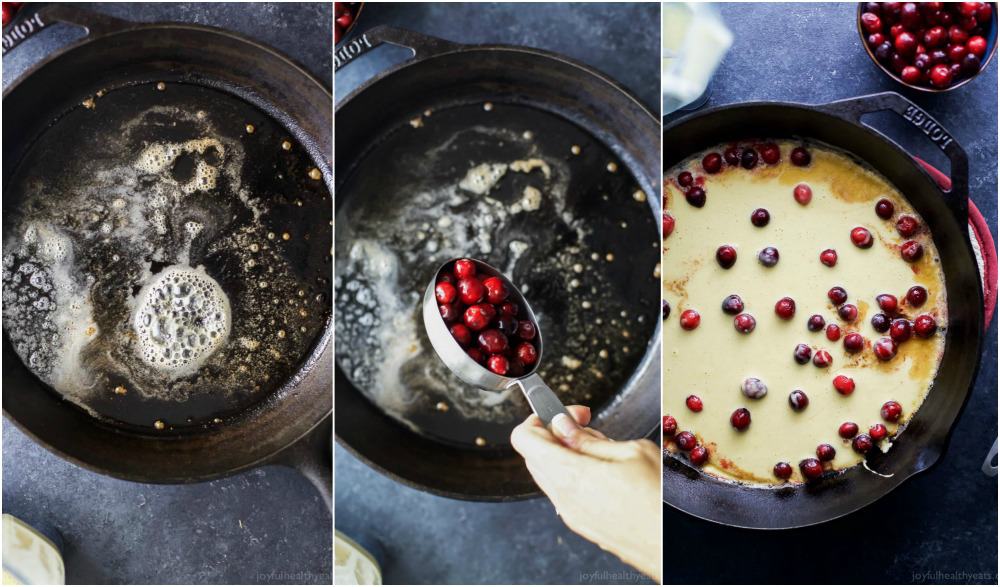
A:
(815, 323)
(496, 290)
(900, 330)
(447, 278)
(848, 430)
(854, 342)
(507, 325)
(871, 22)
(822, 359)
(760, 217)
(726, 256)
(476, 355)
(798, 400)
(732, 305)
(461, 333)
(877, 432)
(748, 160)
(811, 469)
(479, 316)
(884, 51)
(909, 15)
(971, 64)
(492, 341)
(911, 251)
(861, 237)
(843, 384)
(690, 319)
(527, 353)
(516, 367)
(940, 76)
(837, 295)
(800, 157)
(887, 303)
(770, 153)
(907, 226)
(782, 470)
(885, 349)
(470, 290)
(911, 75)
(957, 36)
(744, 323)
(695, 196)
(862, 443)
(465, 268)
(984, 13)
(668, 224)
(906, 43)
(740, 419)
(498, 364)
(880, 322)
(732, 155)
(785, 308)
(897, 62)
(832, 332)
(876, 39)
(768, 256)
(527, 331)
(924, 326)
(825, 452)
(669, 426)
(956, 53)
(665, 306)
(698, 455)
(509, 309)
(686, 441)
(802, 353)
(712, 163)
(977, 46)
(445, 292)
(891, 411)
(803, 194)
(694, 403)
(968, 9)
(753, 388)
(685, 179)
(449, 312)
(828, 257)
(935, 36)
(848, 313)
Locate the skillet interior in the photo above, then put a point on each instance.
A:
(926, 435)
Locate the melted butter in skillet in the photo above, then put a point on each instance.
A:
(157, 183)
(713, 360)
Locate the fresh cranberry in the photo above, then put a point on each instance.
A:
(507, 325)
(877, 432)
(907, 226)
(768, 256)
(496, 290)
(843, 384)
(900, 330)
(782, 470)
(884, 51)
(669, 426)
(744, 323)
(492, 341)
(760, 217)
(861, 237)
(726, 256)
(527, 331)
(940, 76)
(871, 22)
(732, 305)
(862, 443)
(802, 193)
(516, 367)
(911, 251)
(956, 53)
(465, 268)
(770, 153)
(476, 355)
(832, 332)
(891, 411)
(909, 15)
(686, 441)
(924, 326)
(740, 419)
(828, 257)
(712, 163)
(698, 455)
(668, 224)
(479, 316)
(690, 319)
(509, 309)
(885, 349)
(470, 290)
(800, 157)
(445, 292)
(785, 308)
(906, 43)
(815, 323)
(922, 61)
(802, 353)
(854, 342)
(825, 452)
(897, 62)
(969, 9)
(665, 306)
(848, 430)
(694, 403)
(798, 400)
(848, 313)
(498, 364)
(957, 36)
(695, 196)
(732, 155)
(911, 75)
(887, 303)
(971, 64)
(935, 36)
(984, 13)
(977, 46)
(685, 179)
(748, 159)
(837, 295)
(449, 312)
(876, 39)
(527, 353)
(753, 388)
(822, 359)
(446, 278)
(880, 322)
(461, 333)
(811, 469)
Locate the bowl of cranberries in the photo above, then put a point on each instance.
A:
(345, 17)
(480, 325)
(929, 46)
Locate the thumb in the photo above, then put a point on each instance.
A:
(589, 442)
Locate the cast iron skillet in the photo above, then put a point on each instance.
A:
(292, 426)
(444, 73)
(925, 437)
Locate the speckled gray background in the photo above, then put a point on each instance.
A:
(944, 521)
(264, 526)
(426, 539)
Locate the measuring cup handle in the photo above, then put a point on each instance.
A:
(542, 399)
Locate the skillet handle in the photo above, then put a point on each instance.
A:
(854, 108)
(422, 45)
(29, 22)
(312, 456)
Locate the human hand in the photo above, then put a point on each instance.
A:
(606, 491)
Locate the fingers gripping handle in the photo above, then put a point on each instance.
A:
(541, 398)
